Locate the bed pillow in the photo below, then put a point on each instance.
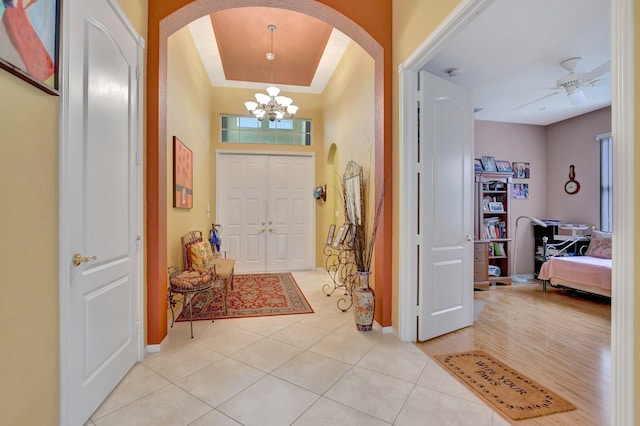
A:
(200, 254)
(600, 245)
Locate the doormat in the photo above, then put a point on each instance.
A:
(253, 295)
(507, 390)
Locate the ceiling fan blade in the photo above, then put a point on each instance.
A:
(596, 72)
(537, 100)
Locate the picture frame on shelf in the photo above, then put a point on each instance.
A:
(496, 207)
(503, 166)
(340, 236)
(30, 50)
(332, 230)
(521, 191)
(477, 165)
(489, 163)
(521, 170)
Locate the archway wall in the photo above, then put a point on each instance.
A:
(368, 23)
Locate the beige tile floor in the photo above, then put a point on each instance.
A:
(312, 369)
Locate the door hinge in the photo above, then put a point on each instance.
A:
(138, 241)
(420, 96)
(138, 327)
(137, 72)
(418, 311)
(138, 158)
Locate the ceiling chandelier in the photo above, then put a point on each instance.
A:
(271, 106)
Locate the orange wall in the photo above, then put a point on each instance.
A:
(373, 19)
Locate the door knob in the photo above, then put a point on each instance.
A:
(271, 229)
(261, 230)
(469, 237)
(77, 259)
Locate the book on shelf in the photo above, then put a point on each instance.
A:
(498, 249)
(491, 228)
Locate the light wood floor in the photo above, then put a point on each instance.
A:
(560, 339)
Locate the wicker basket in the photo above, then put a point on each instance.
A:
(191, 279)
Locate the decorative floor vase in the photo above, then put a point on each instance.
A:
(364, 302)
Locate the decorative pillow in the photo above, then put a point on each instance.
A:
(600, 245)
(200, 254)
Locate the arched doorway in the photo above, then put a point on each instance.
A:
(168, 17)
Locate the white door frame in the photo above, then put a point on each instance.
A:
(622, 308)
(65, 208)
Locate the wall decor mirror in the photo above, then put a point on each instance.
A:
(353, 197)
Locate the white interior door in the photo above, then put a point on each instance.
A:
(446, 201)
(266, 208)
(100, 220)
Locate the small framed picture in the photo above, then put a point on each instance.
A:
(503, 166)
(477, 165)
(521, 191)
(521, 170)
(340, 235)
(496, 207)
(332, 230)
(489, 163)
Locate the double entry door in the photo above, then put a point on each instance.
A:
(265, 205)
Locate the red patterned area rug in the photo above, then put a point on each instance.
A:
(253, 295)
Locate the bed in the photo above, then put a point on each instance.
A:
(590, 273)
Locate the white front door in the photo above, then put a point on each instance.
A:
(241, 189)
(266, 208)
(100, 219)
(445, 284)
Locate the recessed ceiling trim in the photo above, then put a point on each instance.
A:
(205, 42)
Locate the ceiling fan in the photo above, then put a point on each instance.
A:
(572, 83)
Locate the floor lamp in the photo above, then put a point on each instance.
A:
(533, 220)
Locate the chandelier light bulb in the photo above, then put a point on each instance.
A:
(272, 106)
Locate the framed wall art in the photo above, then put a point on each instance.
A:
(29, 44)
(521, 191)
(521, 170)
(182, 175)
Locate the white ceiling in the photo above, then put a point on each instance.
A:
(510, 55)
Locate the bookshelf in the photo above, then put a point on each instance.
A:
(493, 206)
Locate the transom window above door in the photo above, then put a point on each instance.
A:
(246, 129)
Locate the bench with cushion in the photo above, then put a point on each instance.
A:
(197, 253)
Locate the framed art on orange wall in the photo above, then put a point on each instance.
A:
(182, 175)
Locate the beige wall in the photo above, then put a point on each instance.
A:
(349, 120)
(188, 112)
(29, 314)
(526, 143)
(574, 142)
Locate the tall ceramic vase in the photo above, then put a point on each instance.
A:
(364, 302)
